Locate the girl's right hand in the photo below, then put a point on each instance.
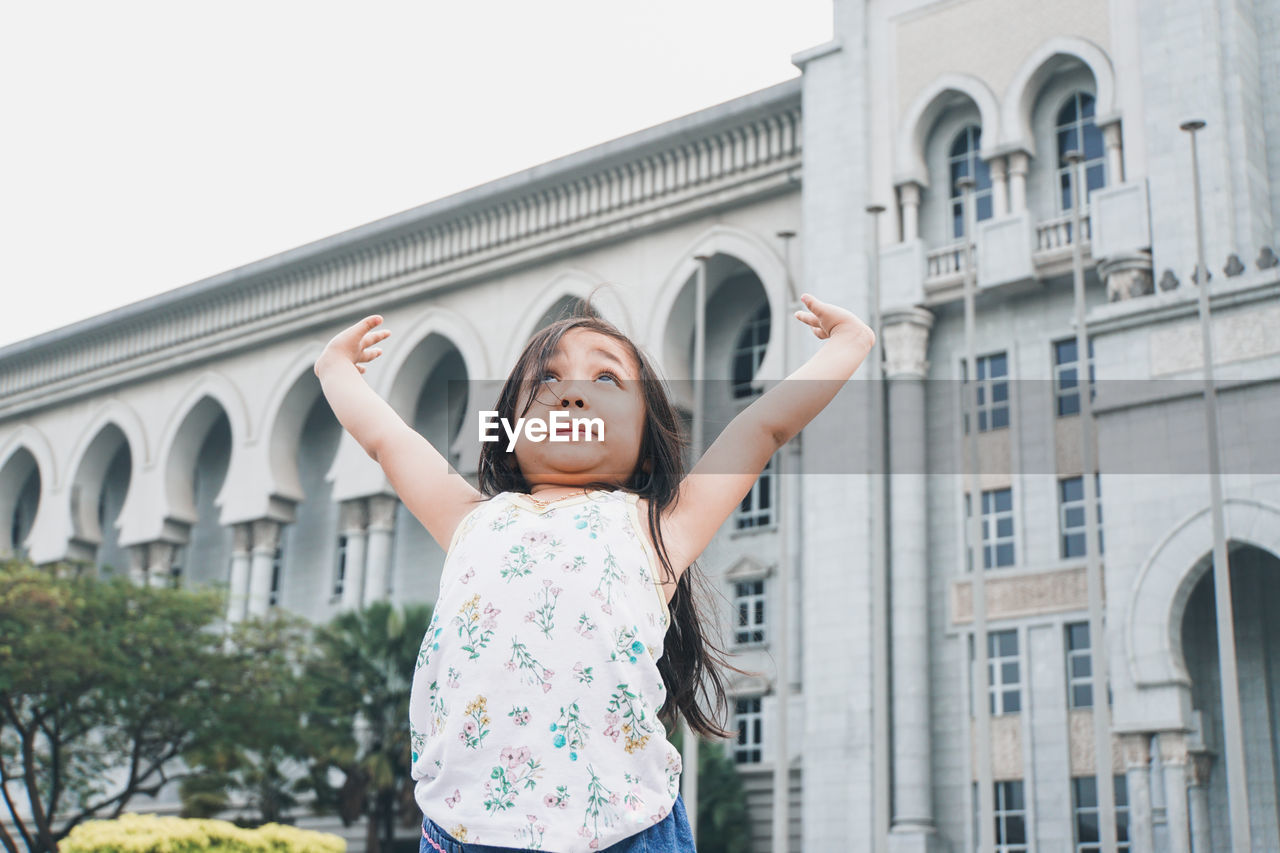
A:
(354, 345)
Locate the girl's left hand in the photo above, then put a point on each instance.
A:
(830, 320)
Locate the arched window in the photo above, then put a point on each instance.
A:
(748, 352)
(1076, 130)
(964, 161)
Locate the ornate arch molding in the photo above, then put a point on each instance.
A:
(127, 421)
(30, 439)
(923, 112)
(573, 283)
(752, 251)
(1153, 627)
(1020, 97)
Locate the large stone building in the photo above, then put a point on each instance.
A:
(185, 436)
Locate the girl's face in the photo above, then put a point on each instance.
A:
(589, 376)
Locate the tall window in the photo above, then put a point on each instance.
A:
(749, 597)
(277, 562)
(748, 352)
(756, 509)
(991, 397)
(746, 714)
(340, 570)
(1004, 672)
(963, 161)
(1077, 131)
(1084, 796)
(1071, 515)
(997, 527)
(1011, 818)
(1079, 666)
(1066, 376)
(177, 566)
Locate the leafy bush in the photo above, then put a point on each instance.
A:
(133, 833)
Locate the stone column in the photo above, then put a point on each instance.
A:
(1173, 761)
(353, 515)
(906, 341)
(1137, 761)
(1018, 182)
(238, 592)
(266, 535)
(151, 563)
(1201, 762)
(1115, 154)
(909, 196)
(382, 520)
(999, 191)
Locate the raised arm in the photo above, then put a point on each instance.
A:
(417, 471)
(727, 471)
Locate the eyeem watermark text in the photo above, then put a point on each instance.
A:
(563, 427)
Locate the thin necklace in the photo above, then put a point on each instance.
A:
(544, 504)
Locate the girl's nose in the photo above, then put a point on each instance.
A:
(572, 399)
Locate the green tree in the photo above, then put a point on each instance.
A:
(105, 687)
(358, 722)
(723, 820)
(265, 751)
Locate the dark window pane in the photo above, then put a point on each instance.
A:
(1074, 516)
(1068, 112)
(1078, 635)
(983, 206)
(1016, 830)
(1000, 418)
(1072, 489)
(1082, 696)
(1004, 500)
(1065, 351)
(1073, 545)
(1008, 643)
(999, 392)
(1009, 672)
(1086, 105)
(1092, 142)
(1081, 666)
(1004, 528)
(1069, 405)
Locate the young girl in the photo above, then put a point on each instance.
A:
(564, 638)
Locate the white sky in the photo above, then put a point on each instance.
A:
(149, 145)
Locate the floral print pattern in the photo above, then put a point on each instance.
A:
(552, 616)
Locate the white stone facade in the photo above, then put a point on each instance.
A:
(188, 431)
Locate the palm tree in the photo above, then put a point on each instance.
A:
(359, 724)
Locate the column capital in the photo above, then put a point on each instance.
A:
(266, 535)
(1019, 162)
(353, 515)
(1199, 767)
(905, 337)
(997, 166)
(1173, 748)
(1137, 750)
(909, 192)
(382, 511)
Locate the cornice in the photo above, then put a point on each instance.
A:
(725, 156)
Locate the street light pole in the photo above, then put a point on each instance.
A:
(1105, 785)
(981, 710)
(689, 753)
(879, 560)
(782, 595)
(1237, 792)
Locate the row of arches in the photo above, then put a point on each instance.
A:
(1061, 100)
(207, 467)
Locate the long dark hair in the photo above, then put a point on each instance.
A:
(691, 662)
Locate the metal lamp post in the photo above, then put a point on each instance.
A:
(982, 711)
(1237, 792)
(1105, 785)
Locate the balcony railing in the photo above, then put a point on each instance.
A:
(1055, 234)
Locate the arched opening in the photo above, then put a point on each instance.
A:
(433, 394)
(195, 471)
(98, 492)
(20, 488)
(1255, 595)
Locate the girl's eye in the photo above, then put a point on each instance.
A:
(611, 376)
(548, 377)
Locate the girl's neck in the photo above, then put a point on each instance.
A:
(553, 491)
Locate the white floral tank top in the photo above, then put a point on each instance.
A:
(533, 711)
